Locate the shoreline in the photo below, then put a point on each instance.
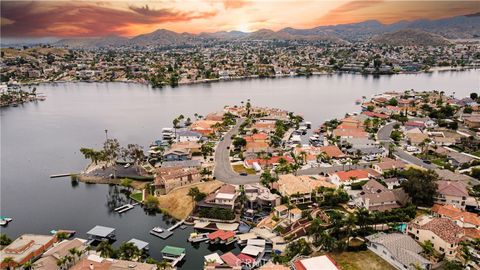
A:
(256, 77)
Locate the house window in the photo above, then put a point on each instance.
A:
(384, 252)
(441, 249)
(450, 252)
(393, 258)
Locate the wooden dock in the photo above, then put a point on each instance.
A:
(124, 208)
(61, 175)
(176, 225)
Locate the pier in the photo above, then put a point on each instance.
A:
(61, 175)
(125, 208)
(176, 225)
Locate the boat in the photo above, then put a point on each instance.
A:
(198, 237)
(157, 230)
(4, 220)
(358, 101)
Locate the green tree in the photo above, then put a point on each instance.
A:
(105, 249)
(421, 186)
(151, 202)
(427, 247)
(8, 261)
(128, 251)
(4, 240)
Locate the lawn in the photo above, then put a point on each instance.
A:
(177, 202)
(477, 153)
(360, 260)
(239, 168)
(136, 196)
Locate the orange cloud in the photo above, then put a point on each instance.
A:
(228, 4)
(342, 14)
(84, 18)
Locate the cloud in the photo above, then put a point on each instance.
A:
(345, 11)
(232, 4)
(84, 18)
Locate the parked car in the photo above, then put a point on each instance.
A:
(127, 165)
(243, 174)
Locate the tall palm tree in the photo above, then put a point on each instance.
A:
(74, 253)
(350, 223)
(163, 264)
(28, 265)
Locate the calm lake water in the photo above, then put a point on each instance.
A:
(40, 139)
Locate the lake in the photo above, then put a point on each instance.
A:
(44, 138)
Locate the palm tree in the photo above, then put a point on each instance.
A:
(61, 262)
(128, 251)
(28, 265)
(193, 192)
(428, 247)
(105, 249)
(163, 264)
(8, 261)
(74, 252)
(350, 222)
(363, 218)
(327, 241)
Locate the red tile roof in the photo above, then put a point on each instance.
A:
(230, 259)
(245, 258)
(223, 235)
(357, 174)
(455, 213)
(332, 151)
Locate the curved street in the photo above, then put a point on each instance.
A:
(383, 136)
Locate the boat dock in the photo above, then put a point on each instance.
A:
(61, 175)
(176, 225)
(125, 208)
(164, 234)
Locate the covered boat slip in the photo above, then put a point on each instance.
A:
(173, 254)
(100, 233)
(141, 245)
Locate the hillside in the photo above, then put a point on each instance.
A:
(407, 37)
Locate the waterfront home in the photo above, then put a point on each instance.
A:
(26, 247)
(349, 133)
(299, 188)
(399, 250)
(49, 259)
(188, 136)
(215, 116)
(94, 261)
(264, 126)
(461, 217)
(451, 192)
(167, 179)
(260, 197)
(376, 197)
(257, 147)
(349, 177)
(388, 164)
(444, 233)
(323, 262)
(205, 127)
(177, 155)
(187, 146)
(224, 197)
(173, 254)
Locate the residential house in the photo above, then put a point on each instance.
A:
(472, 121)
(187, 146)
(188, 136)
(94, 261)
(444, 233)
(461, 217)
(49, 259)
(267, 162)
(299, 188)
(323, 262)
(205, 127)
(399, 250)
(376, 197)
(349, 177)
(388, 164)
(177, 155)
(256, 147)
(26, 247)
(332, 151)
(451, 192)
(224, 197)
(260, 197)
(167, 179)
(349, 133)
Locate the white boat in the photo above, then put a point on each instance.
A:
(5, 220)
(198, 237)
(157, 230)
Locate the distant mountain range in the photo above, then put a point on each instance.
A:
(420, 32)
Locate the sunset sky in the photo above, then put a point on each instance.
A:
(129, 18)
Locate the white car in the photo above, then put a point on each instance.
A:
(127, 165)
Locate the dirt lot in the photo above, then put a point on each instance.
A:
(239, 168)
(178, 204)
(360, 260)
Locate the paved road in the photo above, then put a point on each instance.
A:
(223, 170)
(383, 135)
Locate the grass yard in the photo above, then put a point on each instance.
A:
(239, 168)
(360, 260)
(177, 202)
(136, 196)
(477, 153)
